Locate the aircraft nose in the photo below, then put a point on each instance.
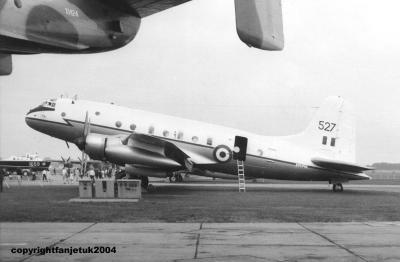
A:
(28, 119)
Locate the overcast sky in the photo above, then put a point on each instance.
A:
(189, 62)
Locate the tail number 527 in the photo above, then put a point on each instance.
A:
(326, 126)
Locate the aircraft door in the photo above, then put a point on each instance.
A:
(240, 148)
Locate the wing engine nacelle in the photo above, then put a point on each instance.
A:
(69, 27)
(114, 150)
(144, 171)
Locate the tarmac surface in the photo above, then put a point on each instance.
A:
(359, 241)
(389, 186)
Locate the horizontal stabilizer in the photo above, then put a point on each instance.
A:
(5, 64)
(340, 165)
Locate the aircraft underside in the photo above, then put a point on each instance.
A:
(90, 26)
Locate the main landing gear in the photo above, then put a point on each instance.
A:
(337, 187)
(175, 178)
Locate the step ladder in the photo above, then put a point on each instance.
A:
(242, 181)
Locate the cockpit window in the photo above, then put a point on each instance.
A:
(49, 105)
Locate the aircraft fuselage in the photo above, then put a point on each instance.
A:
(267, 157)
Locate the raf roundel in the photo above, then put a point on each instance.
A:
(222, 154)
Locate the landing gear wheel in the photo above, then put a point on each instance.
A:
(145, 182)
(337, 187)
(172, 179)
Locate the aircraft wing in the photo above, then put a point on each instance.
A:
(258, 22)
(340, 165)
(144, 7)
(165, 148)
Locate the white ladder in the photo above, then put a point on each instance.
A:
(242, 181)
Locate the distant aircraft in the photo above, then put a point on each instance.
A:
(91, 26)
(29, 162)
(154, 145)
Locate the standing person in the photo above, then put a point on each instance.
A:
(77, 174)
(71, 176)
(91, 173)
(64, 174)
(2, 173)
(44, 175)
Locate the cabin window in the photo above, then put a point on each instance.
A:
(63, 114)
(132, 127)
(209, 141)
(333, 141)
(118, 124)
(151, 130)
(180, 135)
(260, 152)
(324, 140)
(195, 139)
(165, 133)
(97, 113)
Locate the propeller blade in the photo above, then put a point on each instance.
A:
(81, 141)
(86, 127)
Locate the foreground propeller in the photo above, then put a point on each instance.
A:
(81, 141)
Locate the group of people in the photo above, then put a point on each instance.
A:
(69, 175)
(74, 174)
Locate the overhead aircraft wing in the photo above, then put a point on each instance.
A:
(258, 22)
(145, 8)
(340, 165)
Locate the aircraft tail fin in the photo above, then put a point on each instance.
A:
(331, 133)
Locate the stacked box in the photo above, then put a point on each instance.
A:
(104, 188)
(129, 188)
(86, 189)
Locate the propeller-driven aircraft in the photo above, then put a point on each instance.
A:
(29, 162)
(155, 145)
(91, 26)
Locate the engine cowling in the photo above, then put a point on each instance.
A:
(142, 171)
(112, 149)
